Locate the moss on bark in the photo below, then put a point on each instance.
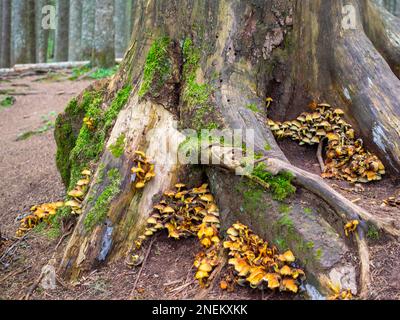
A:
(78, 146)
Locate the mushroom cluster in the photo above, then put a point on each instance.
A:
(39, 213)
(259, 265)
(89, 122)
(338, 293)
(350, 227)
(143, 171)
(78, 193)
(345, 156)
(184, 213)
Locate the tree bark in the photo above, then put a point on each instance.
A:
(345, 69)
(5, 34)
(233, 55)
(121, 27)
(383, 29)
(103, 52)
(23, 31)
(61, 37)
(42, 34)
(88, 13)
(75, 30)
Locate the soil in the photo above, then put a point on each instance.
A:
(28, 176)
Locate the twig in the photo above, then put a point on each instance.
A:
(319, 155)
(33, 287)
(13, 246)
(16, 272)
(142, 267)
(62, 239)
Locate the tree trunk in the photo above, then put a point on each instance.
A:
(223, 57)
(61, 40)
(103, 53)
(121, 27)
(42, 34)
(5, 34)
(23, 31)
(75, 30)
(346, 62)
(88, 12)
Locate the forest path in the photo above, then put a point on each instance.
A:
(28, 176)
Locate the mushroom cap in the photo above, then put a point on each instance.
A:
(76, 193)
(180, 185)
(86, 172)
(73, 203)
(83, 182)
(137, 170)
(140, 153)
(207, 197)
(168, 210)
(140, 185)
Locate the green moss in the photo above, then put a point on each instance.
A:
(373, 232)
(157, 66)
(253, 107)
(308, 211)
(117, 148)
(310, 245)
(90, 143)
(318, 254)
(267, 147)
(280, 185)
(286, 221)
(7, 102)
(53, 229)
(252, 197)
(281, 244)
(99, 211)
(284, 208)
(196, 95)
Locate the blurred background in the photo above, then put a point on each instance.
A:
(40, 31)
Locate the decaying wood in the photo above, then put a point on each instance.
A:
(383, 29)
(343, 67)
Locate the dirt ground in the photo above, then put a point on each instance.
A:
(28, 176)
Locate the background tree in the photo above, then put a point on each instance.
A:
(5, 34)
(23, 31)
(75, 30)
(121, 27)
(103, 52)
(88, 16)
(62, 27)
(42, 34)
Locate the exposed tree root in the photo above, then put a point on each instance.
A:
(344, 208)
(365, 276)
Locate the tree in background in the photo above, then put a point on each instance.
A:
(61, 37)
(5, 26)
(23, 31)
(42, 34)
(121, 27)
(75, 30)
(88, 14)
(103, 51)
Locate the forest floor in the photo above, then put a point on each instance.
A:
(28, 176)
